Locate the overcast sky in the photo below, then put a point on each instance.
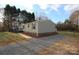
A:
(54, 10)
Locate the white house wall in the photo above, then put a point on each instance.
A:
(46, 26)
(30, 29)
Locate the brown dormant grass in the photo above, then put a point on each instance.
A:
(10, 38)
(69, 45)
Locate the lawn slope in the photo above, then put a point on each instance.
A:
(8, 38)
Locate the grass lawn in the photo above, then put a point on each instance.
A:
(67, 33)
(69, 45)
(8, 38)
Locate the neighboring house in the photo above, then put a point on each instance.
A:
(75, 17)
(17, 26)
(20, 17)
(40, 28)
(17, 23)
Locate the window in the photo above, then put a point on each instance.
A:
(33, 26)
(23, 26)
(28, 25)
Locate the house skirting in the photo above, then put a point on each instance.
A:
(37, 35)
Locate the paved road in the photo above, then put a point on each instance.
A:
(30, 47)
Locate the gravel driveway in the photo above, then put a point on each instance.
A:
(29, 47)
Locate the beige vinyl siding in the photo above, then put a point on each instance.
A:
(46, 26)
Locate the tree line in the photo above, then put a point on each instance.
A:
(67, 25)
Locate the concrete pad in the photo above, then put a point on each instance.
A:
(25, 36)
